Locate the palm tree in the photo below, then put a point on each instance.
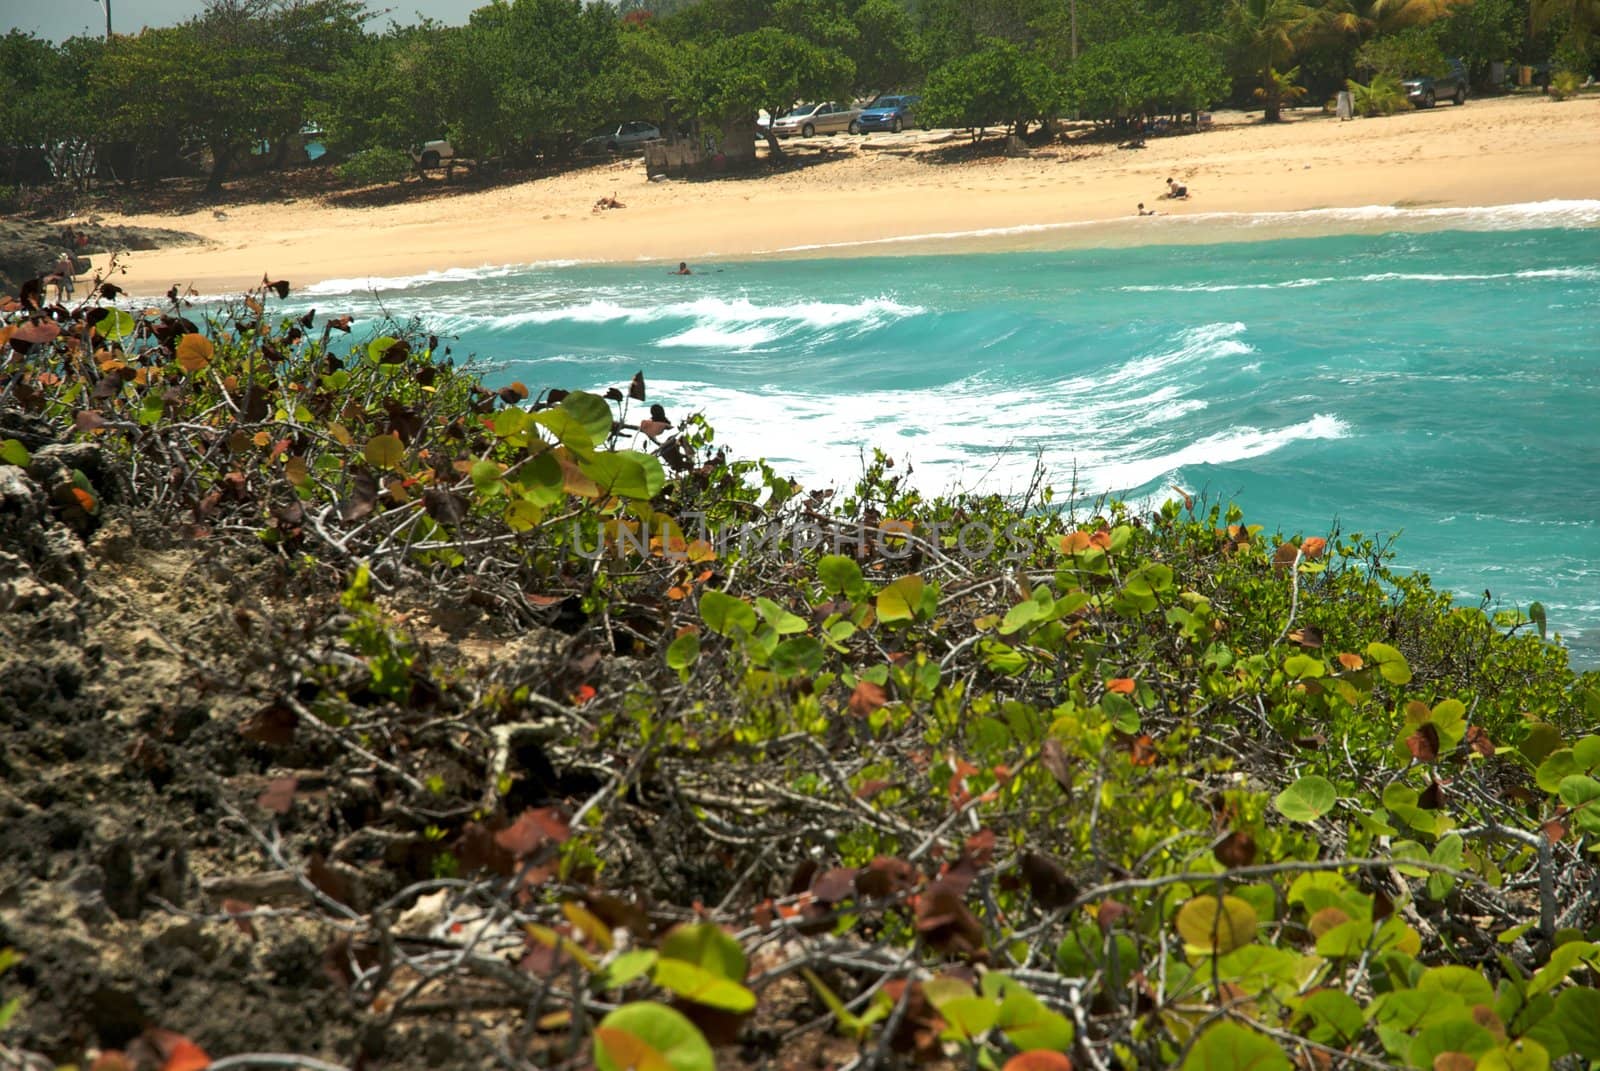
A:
(1363, 18)
(1584, 15)
(1263, 36)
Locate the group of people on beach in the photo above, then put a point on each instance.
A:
(1176, 191)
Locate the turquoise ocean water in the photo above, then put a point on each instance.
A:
(1441, 383)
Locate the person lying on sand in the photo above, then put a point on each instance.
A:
(1143, 211)
(608, 202)
(1176, 190)
(683, 269)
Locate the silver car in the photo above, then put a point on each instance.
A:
(825, 118)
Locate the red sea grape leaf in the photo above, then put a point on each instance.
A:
(1311, 549)
(1120, 685)
(273, 725)
(89, 420)
(866, 698)
(1555, 830)
(945, 922)
(532, 831)
(281, 286)
(832, 886)
(979, 848)
(1432, 797)
(37, 331)
(177, 1052)
(1038, 1060)
(331, 881)
(1108, 913)
(636, 388)
(1054, 759)
(239, 912)
(1142, 751)
(112, 1060)
(653, 428)
(1236, 849)
(1285, 556)
(1309, 637)
(886, 875)
(279, 795)
(1478, 740)
(1048, 883)
(1424, 743)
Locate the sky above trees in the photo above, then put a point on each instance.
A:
(57, 20)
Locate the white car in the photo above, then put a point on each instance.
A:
(828, 117)
(433, 153)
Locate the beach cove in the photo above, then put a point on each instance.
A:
(1242, 175)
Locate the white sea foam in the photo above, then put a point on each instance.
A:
(1576, 273)
(1115, 431)
(1527, 215)
(369, 284)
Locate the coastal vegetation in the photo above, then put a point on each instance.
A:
(525, 727)
(246, 83)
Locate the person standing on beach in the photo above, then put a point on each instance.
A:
(66, 268)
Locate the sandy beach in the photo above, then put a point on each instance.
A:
(879, 189)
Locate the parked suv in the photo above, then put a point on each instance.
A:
(1425, 91)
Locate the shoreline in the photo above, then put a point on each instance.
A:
(1308, 177)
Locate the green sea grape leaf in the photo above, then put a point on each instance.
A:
(1562, 962)
(693, 982)
(568, 430)
(1519, 1055)
(782, 621)
(1578, 1015)
(624, 473)
(628, 966)
(1561, 764)
(726, 614)
(646, 1036)
(117, 325)
(708, 945)
(1470, 984)
(684, 651)
(900, 599)
(1227, 1046)
(13, 452)
(1335, 1012)
(796, 656)
(1209, 924)
(838, 574)
(1028, 1024)
(591, 411)
(1307, 800)
(967, 1017)
(1586, 752)
(1390, 662)
(1459, 1034)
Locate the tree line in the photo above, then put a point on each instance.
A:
(524, 82)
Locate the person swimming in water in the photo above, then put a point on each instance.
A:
(683, 269)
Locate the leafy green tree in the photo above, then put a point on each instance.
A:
(1261, 37)
(885, 47)
(533, 82)
(397, 90)
(1581, 19)
(1146, 75)
(999, 85)
(735, 77)
(47, 129)
(1482, 32)
(649, 73)
(1409, 52)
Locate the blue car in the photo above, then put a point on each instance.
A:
(888, 113)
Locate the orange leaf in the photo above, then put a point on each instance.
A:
(584, 693)
(1350, 661)
(866, 698)
(1312, 548)
(1073, 542)
(85, 499)
(1120, 685)
(178, 1053)
(194, 352)
(1038, 1060)
(1143, 751)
